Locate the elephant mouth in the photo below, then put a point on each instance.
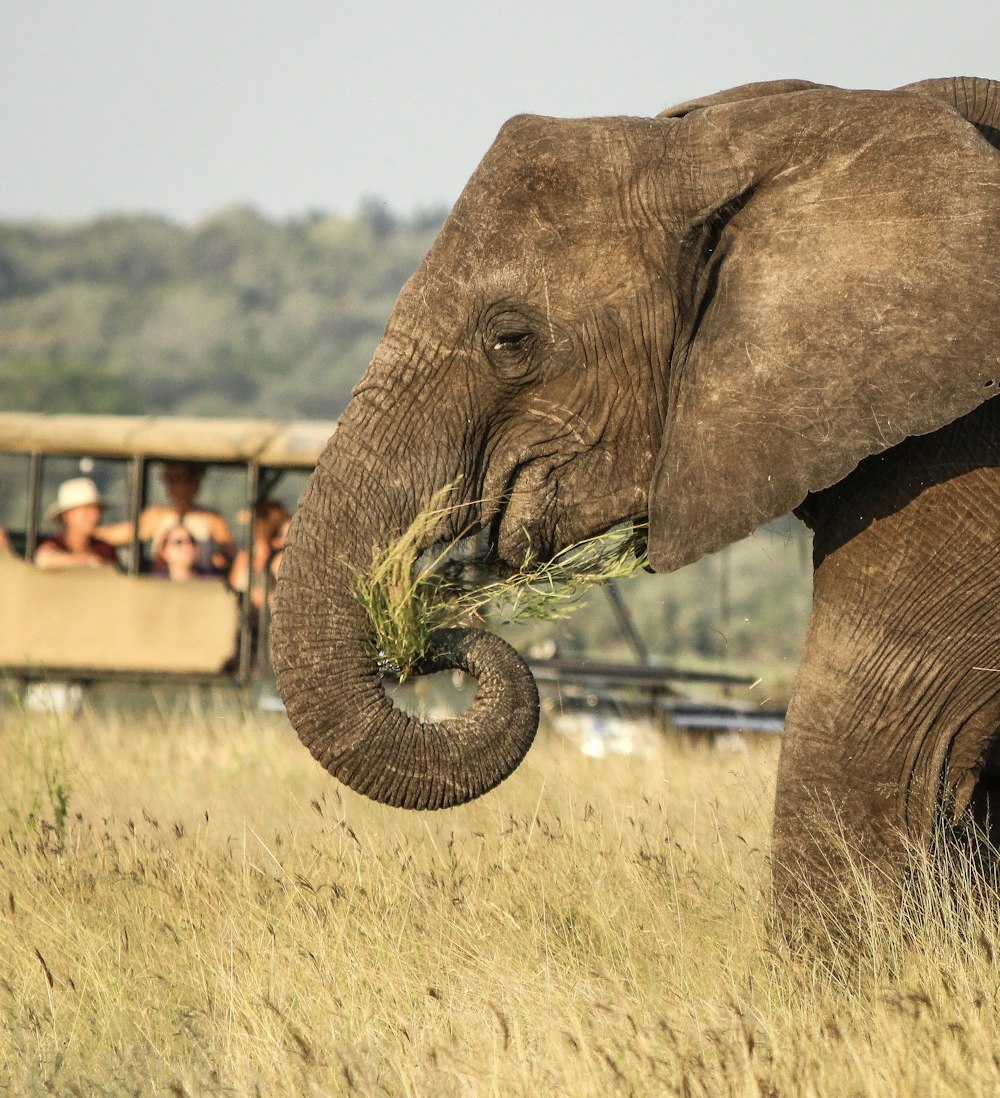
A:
(523, 530)
(467, 561)
(477, 557)
(512, 536)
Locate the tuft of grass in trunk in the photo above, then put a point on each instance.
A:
(407, 605)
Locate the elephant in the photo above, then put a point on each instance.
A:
(784, 296)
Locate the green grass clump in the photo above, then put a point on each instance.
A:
(407, 604)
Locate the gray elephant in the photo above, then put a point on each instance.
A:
(782, 296)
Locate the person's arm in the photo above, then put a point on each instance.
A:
(51, 557)
(238, 571)
(115, 533)
(120, 533)
(225, 543)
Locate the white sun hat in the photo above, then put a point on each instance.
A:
(78, 492)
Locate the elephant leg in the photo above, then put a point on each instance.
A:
(894, 720)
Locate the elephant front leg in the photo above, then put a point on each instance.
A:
(893, 724)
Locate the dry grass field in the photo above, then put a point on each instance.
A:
(188, 905)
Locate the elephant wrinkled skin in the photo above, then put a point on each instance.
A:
(782, 296)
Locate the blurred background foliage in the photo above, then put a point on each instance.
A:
(236, 315)
(244, 316)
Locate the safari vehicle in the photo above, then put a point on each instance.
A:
(84, 625)
(87, 624)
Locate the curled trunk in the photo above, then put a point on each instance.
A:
(327, 671)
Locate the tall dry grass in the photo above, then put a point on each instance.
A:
(188, 905)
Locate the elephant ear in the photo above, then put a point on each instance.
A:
(976, 99)
(844, 294)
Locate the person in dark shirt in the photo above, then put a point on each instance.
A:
(78, 509)
(270, 524)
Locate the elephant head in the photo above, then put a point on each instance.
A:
(697, 318)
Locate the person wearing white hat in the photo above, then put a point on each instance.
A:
(78, 509)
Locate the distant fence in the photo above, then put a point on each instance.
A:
(649, 690)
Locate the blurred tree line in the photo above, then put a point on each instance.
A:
(237, 315)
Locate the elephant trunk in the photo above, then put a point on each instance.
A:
(326, 663)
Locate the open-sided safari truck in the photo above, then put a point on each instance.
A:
(88, 624)
(85, 624)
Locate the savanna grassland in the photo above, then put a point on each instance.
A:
(188, 905)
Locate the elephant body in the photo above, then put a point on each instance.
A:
(782, 296)
(894, 721)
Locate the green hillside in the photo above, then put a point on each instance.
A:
(237, 315)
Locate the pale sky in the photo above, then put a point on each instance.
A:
(184, 107)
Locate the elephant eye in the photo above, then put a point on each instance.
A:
(508, 341)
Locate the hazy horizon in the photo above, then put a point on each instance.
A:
(183, 110)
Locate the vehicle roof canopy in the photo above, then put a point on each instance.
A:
(293, 444)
